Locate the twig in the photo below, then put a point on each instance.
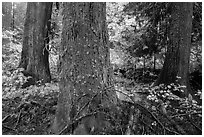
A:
(186, 114)
(164, 128)
(5, 118)
(172, 131)
(137, 104)
(19, 117)
(176, 126)
(87, 104)
(148, 126)
(82, 96)
(8, 128)
(143, 130)
(189, 119)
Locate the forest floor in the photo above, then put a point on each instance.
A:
(30, 111)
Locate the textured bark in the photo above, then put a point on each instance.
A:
(34, 56)
(178, 51)
(6, 15)
(85, 71)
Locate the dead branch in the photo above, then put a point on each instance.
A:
(144, 108)
(148, 126)
(87, 104)
(186, 114)
(19, 117)
(192, 123)
(9, 128)
(176, 126)
(5, 118)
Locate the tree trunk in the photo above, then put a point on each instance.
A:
(85, 68)
(6, 15)
(178, 51)
(35, 56)
(13, 18)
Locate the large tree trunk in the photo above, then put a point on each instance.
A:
(85, 68)
(178, 51)
(6, 15)
(35, 56)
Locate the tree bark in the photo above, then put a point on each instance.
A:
(85, 67)
(6, 15)
(178, 51)
(35, 56)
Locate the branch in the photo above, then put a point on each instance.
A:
(194, 113)
(148, 126)
(19, 117)
(87, 104)
(172, 131)
(137, 104)
(8, 127)
(153, 116)
(190, 120)
(5, 118)
(176, 126)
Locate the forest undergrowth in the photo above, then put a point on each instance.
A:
(142, 109)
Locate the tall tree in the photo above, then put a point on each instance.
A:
(6, 15)
(178, 51)
(85, 72)
(35, 55)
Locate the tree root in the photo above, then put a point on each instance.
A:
(69, 127)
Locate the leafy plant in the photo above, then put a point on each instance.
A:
(168, 96)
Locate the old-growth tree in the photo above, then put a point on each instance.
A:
(85, 73)
(34, 56)
(6, 15)
(178, 51)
